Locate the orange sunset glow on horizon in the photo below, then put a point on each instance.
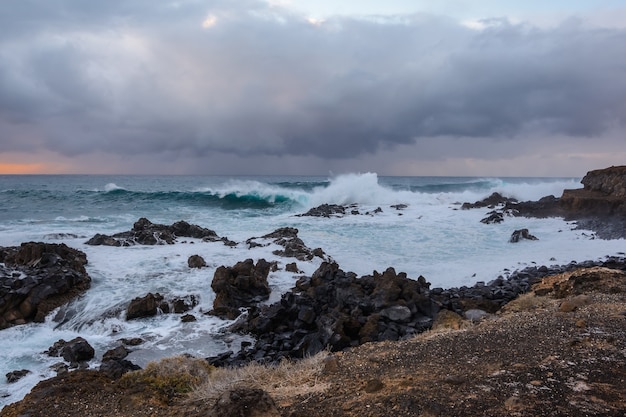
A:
(16, 169)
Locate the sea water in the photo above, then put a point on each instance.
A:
(431, 237)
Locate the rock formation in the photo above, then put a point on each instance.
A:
(242, 285)
(144, 232)
(604, 194)
(36, 278)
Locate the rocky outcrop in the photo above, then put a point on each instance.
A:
(492, 201)
(287, 237)
(114, 364)
(599, 206)
(604, 194)
(520, 234)
(36, 278)
(326, 210)
(196, 261)
(609, 181)
(75, 351)
(336, 309)
(151, 304)
(337, 210)
(15, 376)
(144, 232)
(146, 306)
(241, 285)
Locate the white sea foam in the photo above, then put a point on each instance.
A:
(112, 187)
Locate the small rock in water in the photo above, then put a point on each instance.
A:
(15, 376)
(521, 234)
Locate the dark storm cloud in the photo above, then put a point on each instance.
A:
(147, 77)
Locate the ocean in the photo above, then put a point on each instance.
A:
(431, 237)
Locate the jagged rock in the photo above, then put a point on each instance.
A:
(294, 247)
(493, 217)
(491, 201)
(114, 365)
(336, 309)
(144, 232)
(599, 206)
(292, 267)
(521, 234)
(114, 369)
(188, 318)
(146, 306)
(326, 210)
(245, 402)
(242, 285)
(609, 181)
(36, 278)
(15, 376)
(399, 206)
(75, 351)
(196, 261)
(184, 304)
(133, 341)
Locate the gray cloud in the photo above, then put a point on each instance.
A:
(144, 77)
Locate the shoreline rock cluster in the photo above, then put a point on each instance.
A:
(36, 278)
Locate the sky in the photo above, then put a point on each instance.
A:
(312, 87)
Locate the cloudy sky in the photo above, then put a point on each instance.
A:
(404, 87)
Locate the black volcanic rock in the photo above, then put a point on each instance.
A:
(287, 237)
(144, 232)
(241, 285)
(517, 235)
(491, 201)
(326, 210)
(36, 278)
(336, 309)
(75, 351)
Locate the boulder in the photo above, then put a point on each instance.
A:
(36, 278)
(521, 234)
(146, 306)
(75, 351)
(114, 365)
(493, 217)
(326, 210)
(15, 376)
(241, 285)
(196, 261)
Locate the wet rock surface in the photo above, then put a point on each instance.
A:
(75, 351)
(241, 285)
(144, 232)
(287, 237)
(36, 278)
(152, 304)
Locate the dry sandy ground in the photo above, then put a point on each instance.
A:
(559, 351)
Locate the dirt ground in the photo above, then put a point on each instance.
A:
(558, 351)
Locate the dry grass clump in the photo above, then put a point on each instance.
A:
(285, 380)
(527, 303)
(170, 377)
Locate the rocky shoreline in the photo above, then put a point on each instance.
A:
(330, 310)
